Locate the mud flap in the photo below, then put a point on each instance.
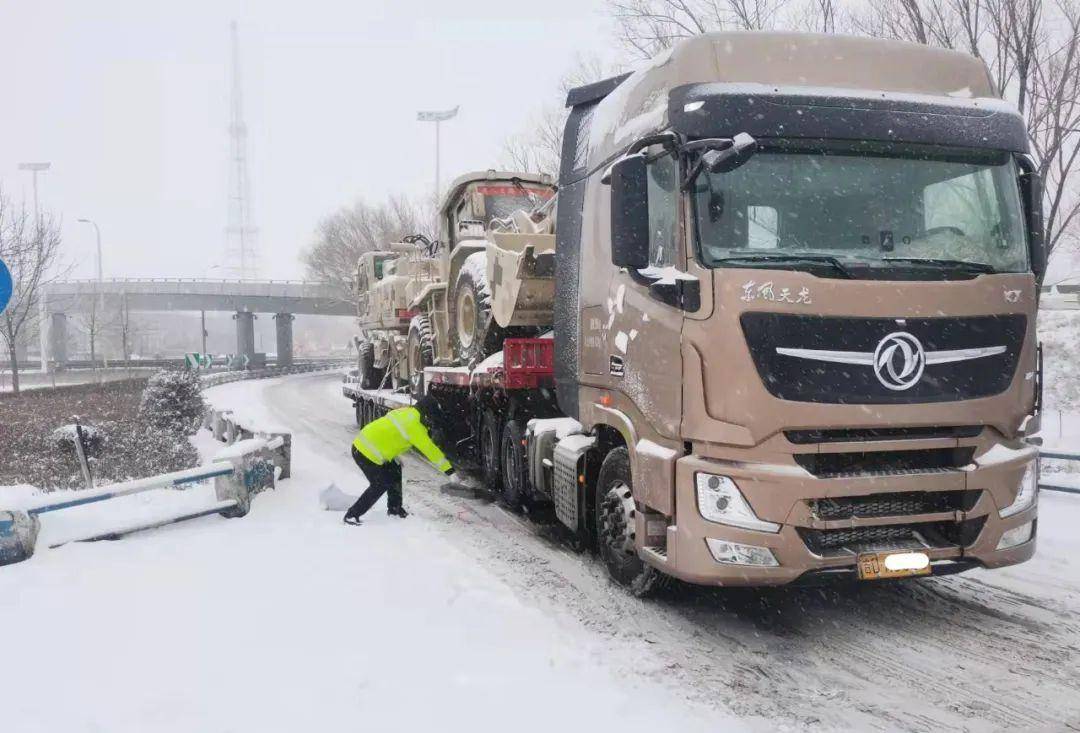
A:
(18, 535)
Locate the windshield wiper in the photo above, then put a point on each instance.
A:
(944, 264)
(832, 262)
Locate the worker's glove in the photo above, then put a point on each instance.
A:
(449, 471)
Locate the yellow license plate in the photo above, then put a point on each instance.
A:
(882, 565)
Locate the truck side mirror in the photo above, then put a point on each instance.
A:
(629, 213)
(1031, 189)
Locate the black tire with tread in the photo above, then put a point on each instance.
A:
(513, 462)
(488, 335)
(370, 377)
(420, 344)
(625, 569)
(490, 451)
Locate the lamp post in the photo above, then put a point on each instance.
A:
(100, 286)
(43, 332)
(438, 117)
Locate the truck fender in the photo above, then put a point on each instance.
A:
(652, 465)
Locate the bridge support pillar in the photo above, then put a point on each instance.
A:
(283, 323)
(58, 340)
(245, 335)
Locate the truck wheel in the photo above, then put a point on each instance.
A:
(370, 377)
(615, 533)
(514, 470)
(419, 354)
(490, 439)
(476, 332)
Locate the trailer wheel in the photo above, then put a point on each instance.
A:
(370, 377)
(419, 353)
(476, 332)
(615, 532)
(514, 467)
(490, 439)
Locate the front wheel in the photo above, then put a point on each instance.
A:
(616, 516)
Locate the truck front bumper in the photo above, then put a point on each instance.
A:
(787, 494)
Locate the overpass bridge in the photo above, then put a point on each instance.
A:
(244, 298)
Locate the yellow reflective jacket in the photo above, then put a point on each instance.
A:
(383, 440)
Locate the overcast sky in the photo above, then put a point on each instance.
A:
(129, 101)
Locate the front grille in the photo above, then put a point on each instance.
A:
(833, 542)
(893, 504)
(884, 463)
(806, 379)
(852, 435)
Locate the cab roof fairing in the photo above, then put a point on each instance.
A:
(764, 111)
(636, 104)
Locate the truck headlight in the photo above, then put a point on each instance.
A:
(719, 500)
(1016, 536)
(1029, 489)
(733, 553)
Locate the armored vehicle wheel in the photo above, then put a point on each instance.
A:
(514, 473)
(420, 353)
(615, 531)
(490, 440)
(477, 335)
(370, 377)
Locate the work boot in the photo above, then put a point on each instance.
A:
(397, 511)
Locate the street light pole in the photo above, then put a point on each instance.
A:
(100, 286)
(438, 117)
(43, 325)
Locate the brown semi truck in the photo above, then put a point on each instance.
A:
(796, 283)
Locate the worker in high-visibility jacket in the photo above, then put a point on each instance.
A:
(376, 449)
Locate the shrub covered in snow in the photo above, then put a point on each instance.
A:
(173, 402)
(34, 425)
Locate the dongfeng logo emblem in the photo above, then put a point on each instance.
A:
(899, 361)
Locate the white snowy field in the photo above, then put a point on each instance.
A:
(466, 617)
(289, 620)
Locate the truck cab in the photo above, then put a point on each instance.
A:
(795, 299)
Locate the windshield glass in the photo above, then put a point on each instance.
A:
(863, 209)
(503, 200)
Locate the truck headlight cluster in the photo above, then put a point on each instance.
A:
(733, 553)
(1029, 490)
(1016, 536)
(719, 500)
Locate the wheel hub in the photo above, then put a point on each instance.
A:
(617, 512)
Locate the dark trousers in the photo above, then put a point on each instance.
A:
(384, 479)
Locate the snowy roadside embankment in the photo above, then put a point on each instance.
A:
(291, 620)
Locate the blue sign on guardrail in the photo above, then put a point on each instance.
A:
(5, 286)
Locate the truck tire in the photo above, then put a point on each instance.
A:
(615, 533)
(370, 377)
(419, 353)
(515, 474)
(490, 445)
(476, 333)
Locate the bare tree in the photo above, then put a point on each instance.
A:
(31, 250)
(343, 236)
(92, 322)
(646, 27)
(539, 149)
(1032, 49)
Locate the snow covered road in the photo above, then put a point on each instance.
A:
(467, 617)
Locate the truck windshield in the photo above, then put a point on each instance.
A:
(889, 208)
(500, 201)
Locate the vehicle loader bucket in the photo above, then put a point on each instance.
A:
(18, 535)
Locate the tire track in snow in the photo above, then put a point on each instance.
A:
(938, 654)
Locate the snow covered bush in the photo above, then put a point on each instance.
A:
(1059, 332)
(173, 402)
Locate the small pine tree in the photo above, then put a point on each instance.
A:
(173, 402)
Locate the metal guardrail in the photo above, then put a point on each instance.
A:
(1049, 482)
(212, 380)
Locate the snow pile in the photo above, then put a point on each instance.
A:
(561, 426)
(1059, 333)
